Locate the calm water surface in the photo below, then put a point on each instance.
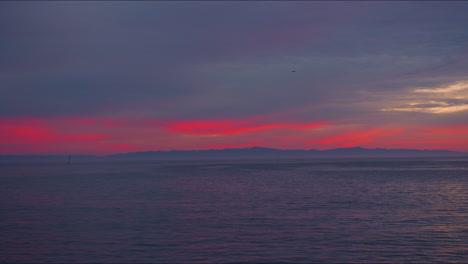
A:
(321, 211)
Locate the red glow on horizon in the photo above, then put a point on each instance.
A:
(110, 136)
(431, 144)
(119, 147)
(38, 133)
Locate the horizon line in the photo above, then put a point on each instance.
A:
(258, 147)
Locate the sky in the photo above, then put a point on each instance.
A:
(105, 77)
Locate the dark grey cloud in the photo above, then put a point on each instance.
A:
(222, 59)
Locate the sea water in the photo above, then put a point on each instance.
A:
(348, 210)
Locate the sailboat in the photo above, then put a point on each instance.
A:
(69, 159)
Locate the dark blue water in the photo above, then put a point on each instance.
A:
(213, 211)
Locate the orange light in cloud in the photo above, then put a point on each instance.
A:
(446, 137)
(447, 130)
(231, 127)
(352, 139)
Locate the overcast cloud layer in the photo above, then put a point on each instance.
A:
(105, 77)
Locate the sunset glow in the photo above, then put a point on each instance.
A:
(55, 136)
(103, 78)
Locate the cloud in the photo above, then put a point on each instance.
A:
(432, 110)
(446, 99)
(197, 60)
(459, 86)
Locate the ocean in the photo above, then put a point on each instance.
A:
(251, 211)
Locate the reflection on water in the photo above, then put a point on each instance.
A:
(214, 211)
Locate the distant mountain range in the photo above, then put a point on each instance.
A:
(254, 152)
(276, 153)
